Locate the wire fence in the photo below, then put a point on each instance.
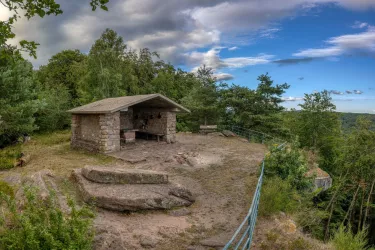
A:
(243, 236)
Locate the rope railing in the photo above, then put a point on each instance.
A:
(243, 236)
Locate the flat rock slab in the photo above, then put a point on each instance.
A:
(128, 197)
(123, 176)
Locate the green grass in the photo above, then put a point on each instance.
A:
(277, 196)
(6, 189)
(52, 138)
(8, 156)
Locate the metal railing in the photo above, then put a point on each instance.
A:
(252, 135)
(243, 236)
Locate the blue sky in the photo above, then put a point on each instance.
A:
(310, 44)
(340, 73)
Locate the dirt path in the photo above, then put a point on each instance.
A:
(220, 171)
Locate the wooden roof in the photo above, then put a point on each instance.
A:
(111, 105)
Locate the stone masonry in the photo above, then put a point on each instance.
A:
(96, 132)
(109, 132)
(101, 132)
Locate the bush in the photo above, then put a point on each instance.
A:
(344, 239)
(277, 195)
(8, 156)
(311, 220)
(42, 225)
(288, 164)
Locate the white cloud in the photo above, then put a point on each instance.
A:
(220, 76)
(292, 99)
(212, 59)
(173, 28)
(233, 48)
(269, 33)
(340, 45)
(359, 25)
(358, 92)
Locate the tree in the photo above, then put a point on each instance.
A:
(254, 109)
(317, 120)
(105, 69)
(203, 100)
(17, 100)
(30, 9)
(59, 72)
(318, 127)
(351, 198)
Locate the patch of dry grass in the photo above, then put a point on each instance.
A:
(52, 151)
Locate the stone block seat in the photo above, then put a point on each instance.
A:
(121, 189)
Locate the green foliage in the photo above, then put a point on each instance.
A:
(254, 109)
(317, 120)
(8, 156)
(6, 189)
(311, 219)
(348, 121)
(289, 164)
(52, 114)
(345, 239)
(42, 225)
(17, 100)
(60, 71)
(277, 195)
(299, 244)
(203, 100)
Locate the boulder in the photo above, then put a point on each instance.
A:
(148, 242)
(128, 197)
(123, 176)
(228, 133)
(107, 238)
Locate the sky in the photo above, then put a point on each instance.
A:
(313, 45)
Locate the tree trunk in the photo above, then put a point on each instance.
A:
(361, 209)
(351, 205)
(326, 234)
(368, 203)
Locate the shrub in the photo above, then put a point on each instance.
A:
(277, 195)
(8, 156)
(42, 225)
(311, 220)
(299, 244)
(288, 164)
(344, 239)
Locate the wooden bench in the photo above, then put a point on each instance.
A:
(205, 129)
(150, 133)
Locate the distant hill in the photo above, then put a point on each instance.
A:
(349, 119)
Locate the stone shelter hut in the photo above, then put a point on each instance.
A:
(104, 125)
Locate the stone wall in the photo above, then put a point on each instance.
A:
(156, 122)
(171, 127)
(98, 133)
(85, 132)
(109, 132)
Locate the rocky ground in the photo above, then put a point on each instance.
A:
(220, 172)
